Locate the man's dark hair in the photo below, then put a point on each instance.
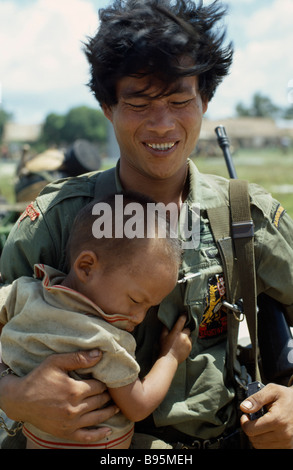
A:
(114, 251)
(148, 38)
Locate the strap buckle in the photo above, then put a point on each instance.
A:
(243, 229)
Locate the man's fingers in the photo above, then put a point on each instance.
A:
(258, 400)
(95, 402)
(98, 417)
(86, 436)
(76, 360)
(274, 429)
(88, 430)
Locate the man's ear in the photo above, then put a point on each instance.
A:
(205, 104)
(107, 110)
(85, 264)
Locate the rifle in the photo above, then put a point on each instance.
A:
(274, 336)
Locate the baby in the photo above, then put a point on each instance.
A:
(111, 284)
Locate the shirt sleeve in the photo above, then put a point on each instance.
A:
(7, 301)
(118, 366)
(28, 242)
(36, 331)
(274, 252)
(40, 234)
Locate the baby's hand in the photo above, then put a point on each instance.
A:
(176, 342)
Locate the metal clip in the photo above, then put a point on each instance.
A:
(240, 382)
(236, 309)
(12, 431)
(187, 277)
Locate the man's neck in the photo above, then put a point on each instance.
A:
(173, 189)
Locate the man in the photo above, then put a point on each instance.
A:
(154, 69)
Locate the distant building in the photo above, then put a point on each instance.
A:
(244, 132)
(21, 133)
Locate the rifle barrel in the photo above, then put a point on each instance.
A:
(224, 143)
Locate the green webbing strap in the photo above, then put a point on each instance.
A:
(242, 233)
(233, 231)
(219, 218)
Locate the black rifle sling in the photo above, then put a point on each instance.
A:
(233, 231)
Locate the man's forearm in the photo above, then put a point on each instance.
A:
(6, 380)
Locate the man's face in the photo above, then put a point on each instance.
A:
(156, 134)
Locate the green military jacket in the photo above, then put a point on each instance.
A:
(199, 402)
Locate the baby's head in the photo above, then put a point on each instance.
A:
(123, 256)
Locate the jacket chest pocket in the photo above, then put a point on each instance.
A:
(203, 299)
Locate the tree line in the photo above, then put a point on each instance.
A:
(78, 123)
(60, 130)
(262, 106)
(87, 123)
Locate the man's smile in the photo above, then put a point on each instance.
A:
(163, 146)
(160, 147)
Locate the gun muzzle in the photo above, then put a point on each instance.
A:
(224, 144)
(222, 137)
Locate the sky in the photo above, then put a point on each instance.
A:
(43, 68)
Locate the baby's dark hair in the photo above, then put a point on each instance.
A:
(148, 38)
(105, 231)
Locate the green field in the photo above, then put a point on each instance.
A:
(267, 167)
(7, 172)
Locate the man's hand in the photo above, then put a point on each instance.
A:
(274, 430)
(55, 403)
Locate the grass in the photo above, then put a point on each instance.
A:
(7, 176)
(267, 167)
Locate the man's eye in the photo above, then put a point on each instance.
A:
(137, 106)
(181, 103)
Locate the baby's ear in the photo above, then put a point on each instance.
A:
(85, 264)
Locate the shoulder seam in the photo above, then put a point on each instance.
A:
(58, 191)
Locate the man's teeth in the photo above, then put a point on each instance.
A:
(165, 146)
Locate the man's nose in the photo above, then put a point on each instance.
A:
(161, 120)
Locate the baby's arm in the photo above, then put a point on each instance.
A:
(140, 398)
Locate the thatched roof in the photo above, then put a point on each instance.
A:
(14, 132)
(246, 127)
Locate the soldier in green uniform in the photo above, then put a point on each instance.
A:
(154, 68)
